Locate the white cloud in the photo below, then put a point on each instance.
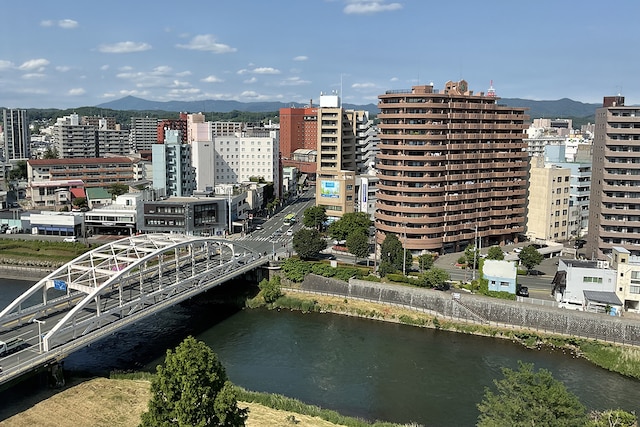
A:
(77, 91)
(104, 67)
(63, 68)
(301, 58)
(33, 76)
(394, 79)
(363, 85)
(294, 81)
(265, 70)
(67, 24)
(250, 94)
(183, 73)
(6, 65)
(34, 64)
(208, 43)
(363, 7)
(212, 79)
(251, 80)
(124, 47)
(108, 95)
(259, 70)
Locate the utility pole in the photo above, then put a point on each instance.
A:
(404, 254)
(475, 252)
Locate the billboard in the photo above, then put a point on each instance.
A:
(330, 189)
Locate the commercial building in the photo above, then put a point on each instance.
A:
(336, 161)
(548, 206)
(453, 167)
(614, 210)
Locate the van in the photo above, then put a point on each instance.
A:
(12, 230)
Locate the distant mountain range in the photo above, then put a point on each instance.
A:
(547, 109)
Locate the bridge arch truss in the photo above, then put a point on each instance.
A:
(122, 282)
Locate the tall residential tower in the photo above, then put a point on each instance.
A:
(453, 168)
(614, 212)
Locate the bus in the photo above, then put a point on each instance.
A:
(289, 219)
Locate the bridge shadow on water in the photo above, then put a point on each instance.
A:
(133, 348)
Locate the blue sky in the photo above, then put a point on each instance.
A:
(67, 53)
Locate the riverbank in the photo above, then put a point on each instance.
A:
(622, 359)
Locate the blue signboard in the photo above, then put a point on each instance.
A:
(60, 285)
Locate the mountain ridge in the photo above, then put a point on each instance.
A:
(563, 107)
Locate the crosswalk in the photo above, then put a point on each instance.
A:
(283, 238)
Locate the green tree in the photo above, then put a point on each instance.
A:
(295, 269)
(79, 202)
(314, 217)
(192, 389)
(391, 251)
(471, 256)
(271, 289)
(495, 252)
(308, 243)
(435, 277)
(18, 171)
(50, 153)
(530, 257)
(612, 418)
(528, 398)
(425, 262)
(117, 189)
(358, 244)
(350, 222)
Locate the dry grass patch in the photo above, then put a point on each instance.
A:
(103, 402)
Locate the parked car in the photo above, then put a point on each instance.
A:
(523, 291)
(70, 239)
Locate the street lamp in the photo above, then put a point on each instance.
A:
(40, 323)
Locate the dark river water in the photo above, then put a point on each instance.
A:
(358, 367)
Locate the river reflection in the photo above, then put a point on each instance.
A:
(358, 367)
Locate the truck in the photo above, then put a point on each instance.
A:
(9, 346)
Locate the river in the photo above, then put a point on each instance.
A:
(358, 367)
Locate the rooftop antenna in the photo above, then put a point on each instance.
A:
(340, 90)
(491, 91)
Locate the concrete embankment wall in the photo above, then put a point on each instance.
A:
(20, 272)
(481, 309)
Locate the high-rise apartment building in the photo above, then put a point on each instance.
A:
(614, 209)
(172, 168)
(16, 134)
(453, 168)
(143, 133)
(73, 140)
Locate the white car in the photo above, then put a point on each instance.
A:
(70, 239)
(289, 232)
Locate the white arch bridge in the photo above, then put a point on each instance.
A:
(111, 287)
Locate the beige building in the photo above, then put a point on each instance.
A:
(628, 278)
(548, 201)
(453, 168)
(336, 157)
(614, 209)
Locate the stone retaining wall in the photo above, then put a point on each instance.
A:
(481, 309)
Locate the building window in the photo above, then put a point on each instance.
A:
(587, 279)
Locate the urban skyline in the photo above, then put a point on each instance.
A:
(65, 55)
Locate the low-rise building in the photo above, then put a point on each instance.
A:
(52, 194)
(574, 277)
(119, 218)
(56, 223)
(500, 274)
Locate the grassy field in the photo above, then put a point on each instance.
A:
(119, 403)
(38, 252)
